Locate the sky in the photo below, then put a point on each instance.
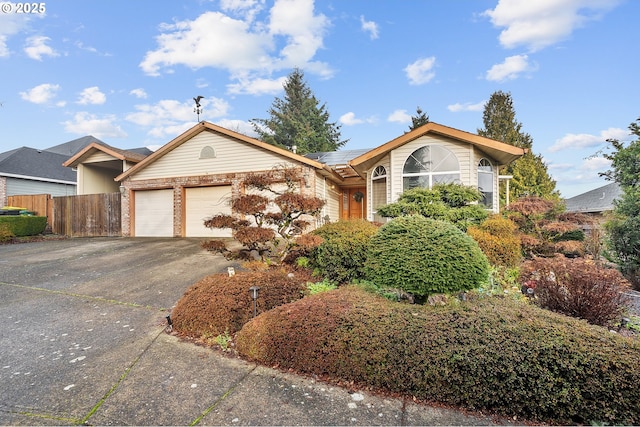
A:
(126, 72)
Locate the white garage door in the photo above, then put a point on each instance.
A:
(154, 213)
(203, 203)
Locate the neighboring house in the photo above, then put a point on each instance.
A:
(595, 202)
(172, 191)
(30, 171)
(98, 164)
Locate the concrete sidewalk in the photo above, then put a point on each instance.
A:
(83, 341)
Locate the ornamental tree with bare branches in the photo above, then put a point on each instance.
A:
(268, 216)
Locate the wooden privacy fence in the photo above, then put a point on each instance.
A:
(41, 204)
(89, 215)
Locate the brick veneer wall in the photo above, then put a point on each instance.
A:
(179, 184)
(3, 191)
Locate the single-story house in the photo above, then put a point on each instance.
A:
(172, 191)
(30, 171)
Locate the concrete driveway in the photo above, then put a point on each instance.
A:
(83, 341)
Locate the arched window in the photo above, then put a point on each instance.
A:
(208, 152)
(429, 165)
(378, 191)
(486, 182)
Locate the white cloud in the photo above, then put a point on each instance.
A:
(584, 140)
(139, 93)
(41, 94)
(399, 116)
(510, 69)
(421, 71)
(349, 119)
(369, 27)
(467, 106)
(170, 117)
(256, 86)
(541, 23)
(288, 36)
(37, 47)
(92, 95)
(11, 24)
(84, 123)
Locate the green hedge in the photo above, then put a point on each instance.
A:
(491, 353)
(24, 225)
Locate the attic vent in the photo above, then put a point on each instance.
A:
(208, 152)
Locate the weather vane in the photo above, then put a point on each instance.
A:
(198, 108)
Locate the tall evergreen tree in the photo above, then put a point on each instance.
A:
(299, 120)
(623, 228)
(419, 119)
(530, 174)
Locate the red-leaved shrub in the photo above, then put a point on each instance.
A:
(577, 288)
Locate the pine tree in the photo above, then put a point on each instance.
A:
(419, 119)
(530, 174)
(299, 120)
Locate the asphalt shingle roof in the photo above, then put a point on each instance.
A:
(597, 200)
(29, 162)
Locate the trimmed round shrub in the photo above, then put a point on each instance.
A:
(423, 256)
(341, 255)
(577, 287)
(497, 238)
(219, 303)
(491, 353)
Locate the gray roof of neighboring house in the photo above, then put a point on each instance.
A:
(74, 146)
(597, 200)
(31, 163)
(333, 158)
(47, 164)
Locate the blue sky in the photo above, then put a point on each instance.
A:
(126, 71)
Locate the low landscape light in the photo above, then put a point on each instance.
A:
(254, 294)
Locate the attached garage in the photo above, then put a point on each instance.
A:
(202, 203)
(153, 213)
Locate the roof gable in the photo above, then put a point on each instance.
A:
(95, 147)
(499, 151)
(209, 127)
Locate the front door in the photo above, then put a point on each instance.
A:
(354, 203)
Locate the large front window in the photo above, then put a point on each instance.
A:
(429, 165)
(378, 191)
(485, 182)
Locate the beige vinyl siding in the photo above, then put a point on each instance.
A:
(462, 151)
(95, 180)
(328, 191)
(99, 156)
(231, 156)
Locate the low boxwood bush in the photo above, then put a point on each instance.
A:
(490, 353)
(220, 304)
(423, 256)
(24, 225)
(341, 255)
(497, 238)
(576, 287)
